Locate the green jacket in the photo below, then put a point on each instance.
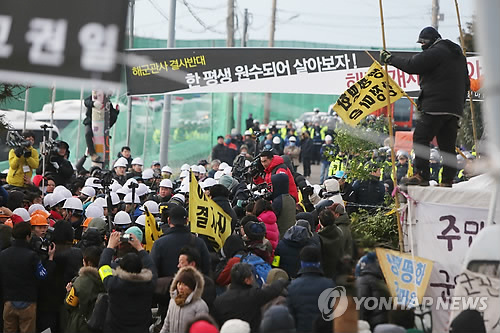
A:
(80, 300)
(332, 249)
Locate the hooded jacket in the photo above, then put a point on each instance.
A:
(130, 294)
(443, 77)
(331, 239)
(283, 203)
(179, 316)
(288, 249)
(272, 232)
(278, 166)
(344, 223)
(80, 300)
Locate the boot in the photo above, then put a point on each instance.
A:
(417, 179)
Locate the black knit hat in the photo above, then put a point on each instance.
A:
(63, 232)
(255, 230)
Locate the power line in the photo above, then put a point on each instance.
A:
(199, 20)
(158, 9)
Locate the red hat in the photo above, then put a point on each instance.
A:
(203, 326)
(37, 180)
(16, 219)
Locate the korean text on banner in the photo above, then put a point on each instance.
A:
(153, 231)
(407, 277)
(366, 96)
(206, 217)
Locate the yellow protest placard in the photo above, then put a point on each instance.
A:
(206, 217)
(366, 96)
(152, 230)
(407, 276)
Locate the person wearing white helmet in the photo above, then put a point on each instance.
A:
(156, 166)
(64, 191)
(57, 202)
(185, 167)
(202, 172)
(403, 165)
(184, 174)
(165, 191)
(115, 204)
(137, 165)
(132, 206)
(115, 186)
(328, 152)
(152, 206)
(207, 184)
(122, 221)
(150, 178)
(292, 150)
(94, 210)
(73, 212)
(166, 172)
(194, 169)
(86, 193)
(93, 182)
(120, 169)
(277, 147)
(22, 213)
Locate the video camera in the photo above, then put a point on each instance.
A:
(105, 178)
(256, 194)
(16, 140)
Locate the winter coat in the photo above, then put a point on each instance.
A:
(89, 103)
(130, 294)
(332, 242)
(223, 153)
(443, 77)
(178, 316)
(303, 295)
(62, 174)
(223, 203)
(166, 249)
(80, 300)
(371, 283)
(278, 166)
(288, 249)
(244, 302)
(344, 223)
(283, 203)
(272, 232)
(369, 192)
(293, 152)
(15, 177)
(306, 148)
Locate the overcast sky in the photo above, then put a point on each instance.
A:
(343, 22)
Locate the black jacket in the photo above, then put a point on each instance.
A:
(303, 295)
(444, 79)
(306, 148)
(130, 295)
(20, 272)
(289, 248)
(166, 249)
(244, 302)
(223, 153)
(369, 192)
(62, 174)
(89, 103)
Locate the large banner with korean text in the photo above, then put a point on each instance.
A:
(275, 70)
(441, 226)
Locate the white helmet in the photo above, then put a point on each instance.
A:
(130, 180)
(228, 171)
(94, 210)
(184, 188)
(64, 191)
(73, 203)
(115, 199)
(93, 182)
(123, 190)
(23, 213)
(166, 183)
(218, 174)
(100, 201)
(209, 182)
(88, 191)
(147, 174)
(57, 198)
(128, 198)
(115, 186)
(202, 170)
(276, 140)
(167, 169)
(194, 168)
(152, 207)
(121, 162)
(328, 138)
(141, 220)
(223, 165)
(122, 218)
(179, 197)
(137, 161)
(247, 132)
(47, 200)
(185, 167)
(35, 207)
(402, 153)
(142, 190)
(184, 174)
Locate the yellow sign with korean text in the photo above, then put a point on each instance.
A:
(152, 230)
(206, 217)
(366, 96)
(406, 276)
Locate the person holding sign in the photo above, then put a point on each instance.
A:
(444, 82)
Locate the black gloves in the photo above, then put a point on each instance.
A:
(19, 151)
(385, 57)
(27, 153)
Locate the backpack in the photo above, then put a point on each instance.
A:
(260, 267)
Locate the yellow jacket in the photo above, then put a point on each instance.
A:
(15, 177)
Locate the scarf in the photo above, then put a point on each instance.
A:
(180, 299)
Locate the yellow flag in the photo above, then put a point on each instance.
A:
(407, 276)
(206, 217)
(153, 231)
(366, 96)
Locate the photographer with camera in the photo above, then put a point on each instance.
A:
(57, 165)
(40, 239)
(22, 160)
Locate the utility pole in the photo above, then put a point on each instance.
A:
(167, 105)
(267, 97)
(435, 14)
(240, 95)
(130, 45)
(230, 43)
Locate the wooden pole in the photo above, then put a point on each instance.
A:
(471, 102)
(391, 133)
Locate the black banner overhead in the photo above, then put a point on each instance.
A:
(68, 43)
(275, 70)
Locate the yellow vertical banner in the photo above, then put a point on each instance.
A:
(366, 96)
(407, 276)
(152, 230)
(206, 217)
